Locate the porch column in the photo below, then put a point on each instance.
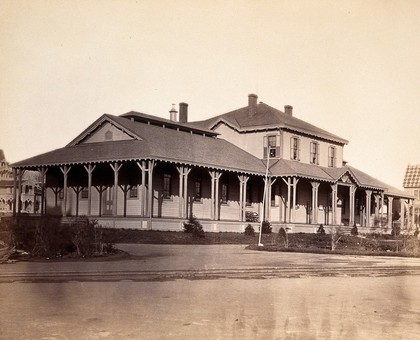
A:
(43, 172)
(143, 194)
(243, 179)
(315, 186)
(295, 182)
(20, 176)
(402, 213)
(382, 208)
(14, 190)
(288, 183)
(150, 166)
(215, 176)
(266, 209)
(352, 192)
(377, 199)
(65, 170)
(334, 188)
(183, 190)
(115, 167)
(368, 204)
(89, 168)
(390, 200)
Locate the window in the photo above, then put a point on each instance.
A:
(133, 193)
(331, 156)
(294, 149)
(197, 195)
(249, 193)
(274, 192)
(314, 153)
(224, 193)
(108, 135)
(167, 179)
(272, 146)
(85, 193)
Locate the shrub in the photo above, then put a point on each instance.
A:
(194, 227)
(283, 237)
(354, 231)
(396, 229)
(416, 232)
(48, 237)
(249, 230)
(266, 227)
(321, 230)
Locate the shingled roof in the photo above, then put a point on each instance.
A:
(412, 177)
(267, 116)
(154, 142)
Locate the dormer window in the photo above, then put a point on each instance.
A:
(295, 149)
(314, 153)
(331, 156)
(272, 146)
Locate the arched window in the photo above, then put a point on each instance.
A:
(108, 135)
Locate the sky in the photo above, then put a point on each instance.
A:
(349, 67)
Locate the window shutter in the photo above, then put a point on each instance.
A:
(278, 146)
(298, 144)
(265, 147)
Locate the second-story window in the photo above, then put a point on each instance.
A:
(295, 149)
(167, 179)
(331, 156)
(314, 153)
(272, 146)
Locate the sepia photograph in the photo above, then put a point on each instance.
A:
(209, 169)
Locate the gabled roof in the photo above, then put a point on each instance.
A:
(267, 117)
(153, 142)
(412, 177)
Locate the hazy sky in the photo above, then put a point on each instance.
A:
(349, 67)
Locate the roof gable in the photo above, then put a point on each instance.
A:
(105, 128)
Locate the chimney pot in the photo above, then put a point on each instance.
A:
(183, 112)
(172, 113)
(252, 104)
(288, 109)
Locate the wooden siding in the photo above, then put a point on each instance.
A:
(99, 134)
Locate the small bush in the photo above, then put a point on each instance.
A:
(249, 230)
(194, 227)
(396, 230)
(354, 231)
(321, 230)
(416, 232)
(283, 237)
(266, 227)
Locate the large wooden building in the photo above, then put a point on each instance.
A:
(142, 171)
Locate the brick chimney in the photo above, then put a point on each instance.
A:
(288, 109)
(252, 104)
(172, 113)
(183, 112)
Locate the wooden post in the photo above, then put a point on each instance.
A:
(315, 186)
(89, 168)
(143, 194)
(14, 190)
(151, 165)
(65, 170)
(115, 167)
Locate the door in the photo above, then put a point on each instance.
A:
(108, 201)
